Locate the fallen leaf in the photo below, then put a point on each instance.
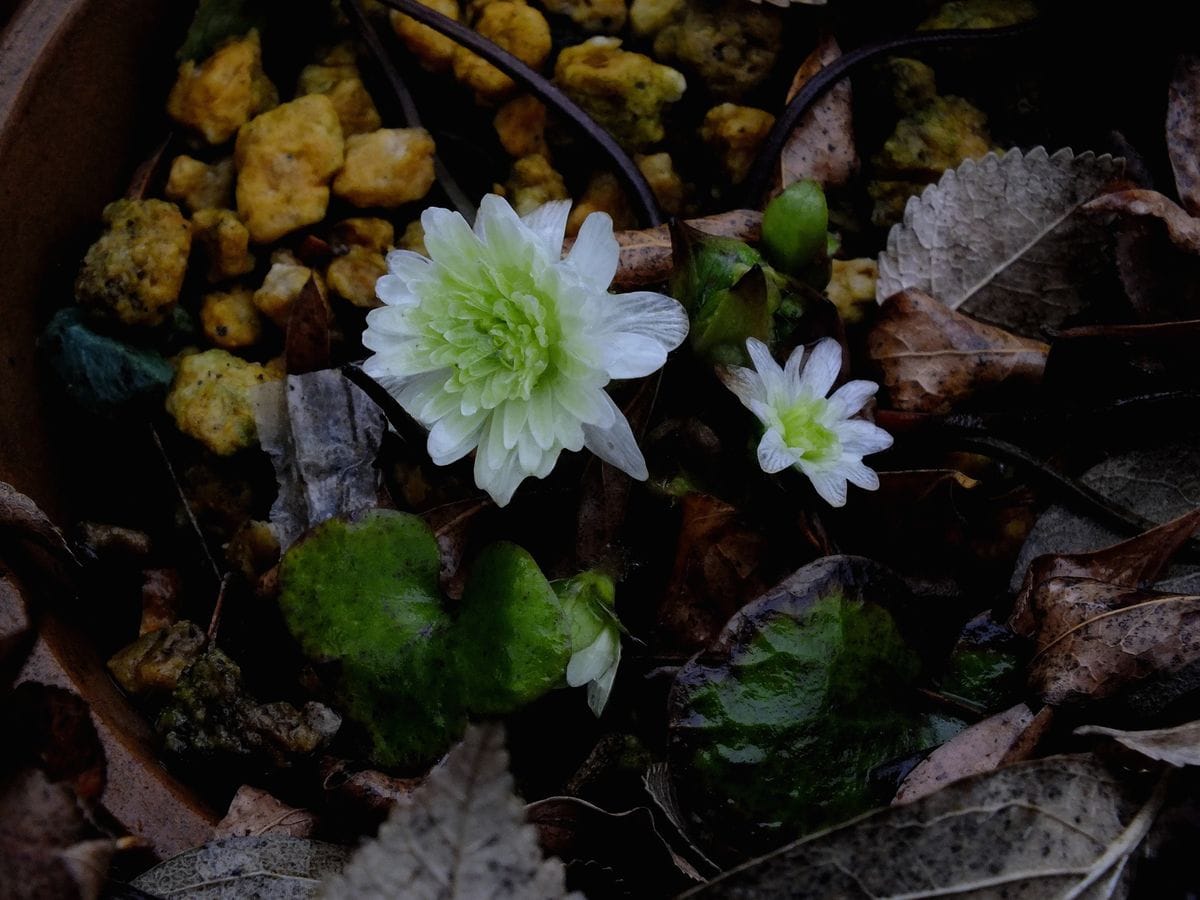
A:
(1002, 238)
(22, 521)
(363, 797)
(1183, 230)
(984, 746)
(627, 843)
(1183, 130)
(322, 434)
(985, 668)
(253, 812)
(645, 257)
(1159, 481)
(776, 727)
(307, 338)
(462, 834)
(1099, 642)
(1110, 363)
(1178, 746)
(16, 631)
(935, 359)
(47, 847)
(1055, 827)
(821, 146)
(272, 867)
(452, 526)
(719, 567)
(1135, 563)
(51, 728)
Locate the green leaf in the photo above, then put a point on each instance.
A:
(743, 311)
(362, 596)
(512, 641)
(777, 726)
(100, 373)
(216, 21)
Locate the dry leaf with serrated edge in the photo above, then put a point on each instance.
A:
(1002, 239)
(821, 146)
(933, 358)
(1178, 746)
(462, 834)
(1056, 827)
(1183, 130)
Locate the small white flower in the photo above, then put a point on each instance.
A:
(498, 344)
(588, 601)
(804, 428)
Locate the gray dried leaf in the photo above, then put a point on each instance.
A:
(1183, 130)
(1001, 238)
(822, 145)
(462, 835)
(1181, 228)
(254, 812)
(322, 434)
(265, 867)
(1055, 827)
(1178, 746)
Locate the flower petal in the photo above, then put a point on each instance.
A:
(407, 265)
(450, 242)
(587, 404)
(453, 437)
(594, 660)
(859, 473)
(746, 384)
(616, 444)
(823, 367)
(502, 482)
(830, 484)
(549, 225)
(595, 254)
(768, 370)
(860, 438)
(773, 454)
(646, 313)
(851, 397)
(396, 358)
(625, 355)
(598, 690)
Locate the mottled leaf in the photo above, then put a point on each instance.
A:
(1178, 746)
(307, 337)
(1183, 130)
(1056, 827)
(265, 867)
(462, 834)
(934, 359)
(1002, 238)
(1183, 230)
(253, 812)
(821, 146)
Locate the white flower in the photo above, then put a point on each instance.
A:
(498, 344)
(804, 429)
(595, 635)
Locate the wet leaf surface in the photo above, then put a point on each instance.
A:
(1178, 746)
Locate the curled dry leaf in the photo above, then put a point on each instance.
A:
(462, 834)
(821, 146)
(362, 796)
(1007, 737)
(1183, 230)
(1002, 238)
(1183, 130)
(934, 359)
(646, 253)
(253, 812)
(1055, 827)
(1178, 746)
(22, 521)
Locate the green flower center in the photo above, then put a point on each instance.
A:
(800, 425)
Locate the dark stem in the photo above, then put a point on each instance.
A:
(406, 426)
(408, 108)
(545, 91)
(193, 522)
(759, 181)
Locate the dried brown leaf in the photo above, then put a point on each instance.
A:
(462, 834)
(1056, 827)
(1178, 746)
(253, 812)
(987, 745)
(364, 796)
(1001, 238)
(23, 521)
(306, 343)
(1135, 563)
(52, 728)
(1183, 130)
(934, 359)
(821, 146)
(646, 253)
(1182, 229)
